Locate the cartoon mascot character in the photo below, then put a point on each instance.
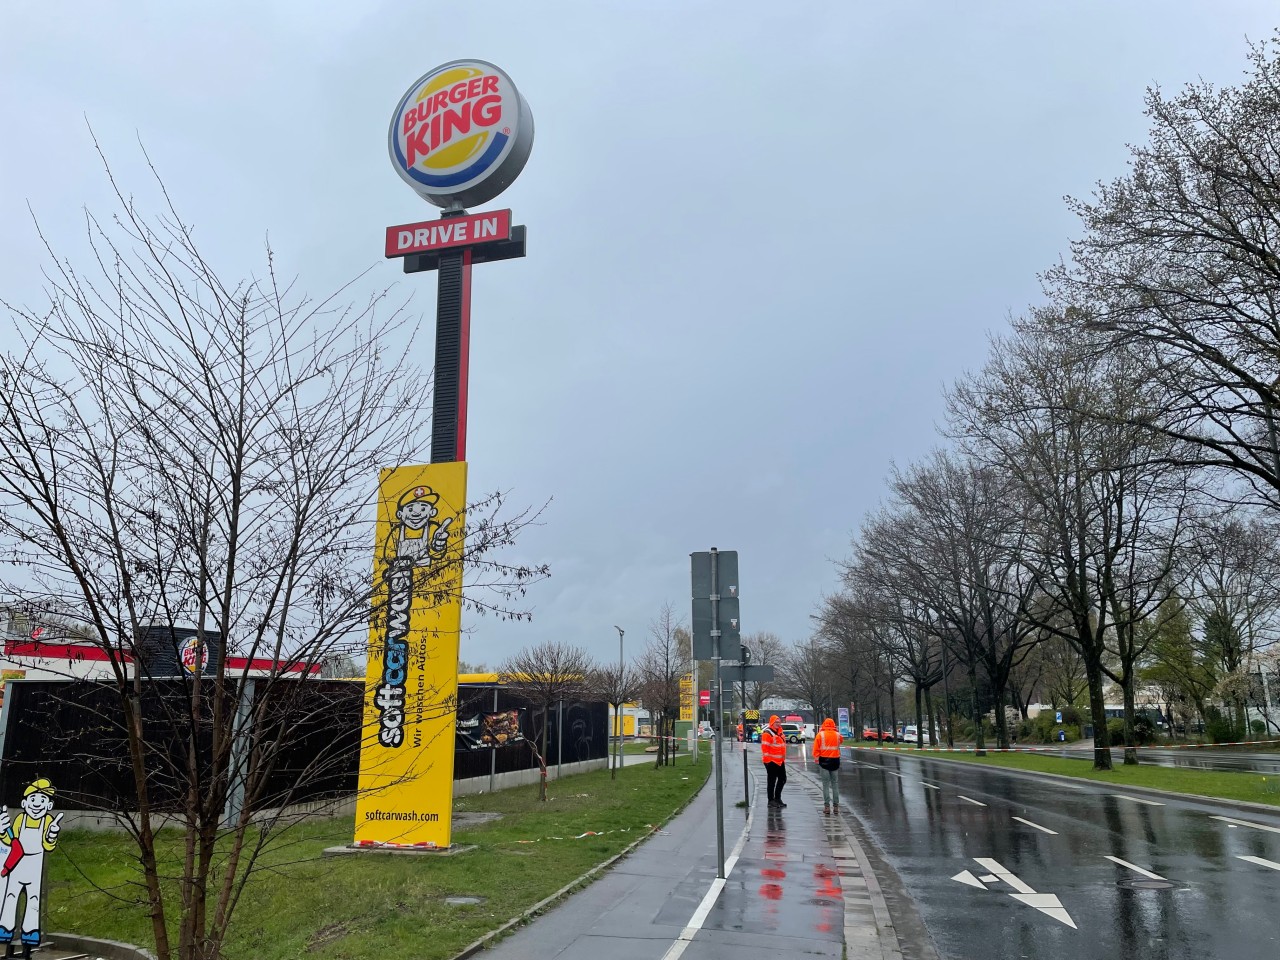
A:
(416, 537)
(24, 843)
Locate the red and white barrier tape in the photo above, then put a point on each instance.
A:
(1054, 748)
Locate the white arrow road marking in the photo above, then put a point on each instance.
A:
(1149, 803)
(1262, 863)
(976, 803)
(966, 877)
(990, 878)
(1126, 863)
(1047, 904)
(1037, 826)
(1246, 823)
(1003, 874)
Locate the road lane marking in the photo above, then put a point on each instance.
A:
(1150, 803)
(1053, 833)
(1046, 903)
(1135, 869)
(994, 867)
(976, 803)
(929, 786)
(1262, 863)
(965, 877)
(1245, 823)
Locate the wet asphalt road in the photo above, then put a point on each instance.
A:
(1023, 892)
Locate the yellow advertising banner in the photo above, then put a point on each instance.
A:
(411, 688)
(686, 697)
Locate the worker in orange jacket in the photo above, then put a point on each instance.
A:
(773, 751)
(826, 754)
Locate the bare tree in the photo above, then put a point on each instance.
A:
(667, 657)
(178, 449)
(1101, 495)
(766, 649)
(1179, 265)
(614, 684)
(545, 674)
(1232, 564)
(806, 675)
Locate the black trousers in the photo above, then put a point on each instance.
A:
(775, 779)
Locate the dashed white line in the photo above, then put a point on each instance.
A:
(1245, 823)
(1150, 803)
(1136, 869)
(929, 786)
(1262, 863)
(976, 803)
(1053, 833)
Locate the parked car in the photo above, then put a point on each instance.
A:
(871, 733)
(794, 732)
(909, 735)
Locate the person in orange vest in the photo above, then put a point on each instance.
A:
(826, 754)
(773, 750)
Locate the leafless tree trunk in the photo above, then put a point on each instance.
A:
(545, 674)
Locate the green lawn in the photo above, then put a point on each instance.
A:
(1226, 785)
(384, 906)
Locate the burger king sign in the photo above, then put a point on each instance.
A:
(461, 134)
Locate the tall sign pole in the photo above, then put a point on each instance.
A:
(459, 136)
(719, 750)
(716, 629)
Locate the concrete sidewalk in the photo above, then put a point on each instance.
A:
(796, 884)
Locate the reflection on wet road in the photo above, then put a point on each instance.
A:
(1010, 866)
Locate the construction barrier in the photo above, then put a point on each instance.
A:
(1054, 747)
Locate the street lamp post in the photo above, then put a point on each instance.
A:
(618, 718)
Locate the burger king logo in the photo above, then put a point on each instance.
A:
(194, 656)
(461, 134)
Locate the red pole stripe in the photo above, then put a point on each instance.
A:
(464, 354)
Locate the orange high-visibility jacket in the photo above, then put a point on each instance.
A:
(773, 746)
(827, 742)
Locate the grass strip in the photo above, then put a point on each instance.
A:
(1221, 784)
(388, 907)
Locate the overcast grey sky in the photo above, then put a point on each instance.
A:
(762, 236)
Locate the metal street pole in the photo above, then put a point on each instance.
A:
(618, 718)
(493, 747)
(719, 754)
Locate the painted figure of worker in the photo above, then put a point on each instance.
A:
(417, 536)
(24, 842)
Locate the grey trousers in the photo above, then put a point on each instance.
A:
(830, 780)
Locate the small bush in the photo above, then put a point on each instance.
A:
(1258, 727)
(1221, 730)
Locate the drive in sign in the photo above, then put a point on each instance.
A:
(448, 232)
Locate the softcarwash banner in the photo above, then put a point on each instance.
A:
(411, 688)
(842, 718)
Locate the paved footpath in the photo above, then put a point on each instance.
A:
(797, 884)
